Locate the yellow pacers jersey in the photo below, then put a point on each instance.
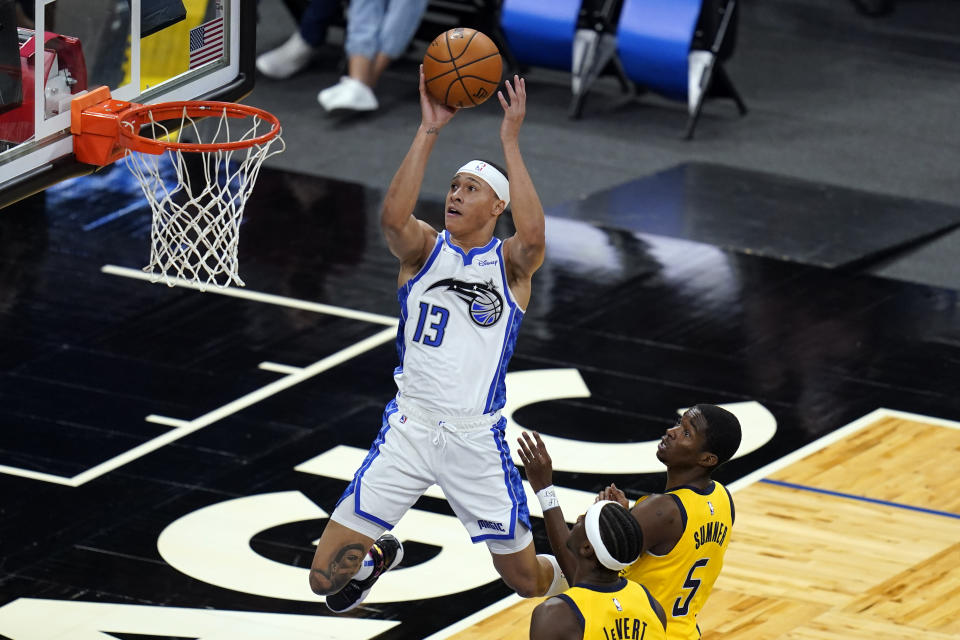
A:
(621, 611)
(682, 579)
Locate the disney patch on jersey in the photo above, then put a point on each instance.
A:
(484, 302)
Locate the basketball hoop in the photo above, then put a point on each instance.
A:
(196, 212)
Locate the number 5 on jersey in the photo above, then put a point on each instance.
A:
(431, 334)
(692, 584)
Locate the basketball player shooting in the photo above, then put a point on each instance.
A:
(462, 296)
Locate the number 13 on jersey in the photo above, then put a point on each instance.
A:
(431, 334)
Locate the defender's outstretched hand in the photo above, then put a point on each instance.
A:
(615, 494)
(433, 114)
(515, 109)
(536, 460)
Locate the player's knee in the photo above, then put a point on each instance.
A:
(524, 572)
(525, 585)
(529, 590)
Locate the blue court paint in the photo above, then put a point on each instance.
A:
(838, 494)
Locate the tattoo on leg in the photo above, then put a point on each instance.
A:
(345, 563)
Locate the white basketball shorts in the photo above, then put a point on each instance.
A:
(468, 458)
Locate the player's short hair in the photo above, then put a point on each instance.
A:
(621, 533)
(723, 432)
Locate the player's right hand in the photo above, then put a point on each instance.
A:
(433, 113)
(536, 461)
(615, 494)
(514, 109)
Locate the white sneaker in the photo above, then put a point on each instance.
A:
(287, 59)
(348, 94)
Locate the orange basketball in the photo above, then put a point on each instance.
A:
(462, 67)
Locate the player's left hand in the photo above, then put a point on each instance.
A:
(533, 454)
(515, 109)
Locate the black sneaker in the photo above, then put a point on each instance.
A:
(387, 553)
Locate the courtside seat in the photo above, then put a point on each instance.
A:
(569, 35)
(654, 42)
(540, 33)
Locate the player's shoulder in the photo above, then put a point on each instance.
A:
(557, 617)
(663, 519)
(561, 605)
(431, 240)
(667, 500)
(416, 261)
(430, 235)
(521, 257)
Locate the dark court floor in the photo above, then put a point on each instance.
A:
(168, 457)
(836, 99)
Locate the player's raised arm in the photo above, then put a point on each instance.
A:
(526, 247)
(408, 238)
(539, 467)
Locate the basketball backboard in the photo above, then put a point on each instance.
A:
(144, 51)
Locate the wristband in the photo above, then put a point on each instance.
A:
(548, 498)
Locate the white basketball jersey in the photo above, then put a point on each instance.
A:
(458, 326)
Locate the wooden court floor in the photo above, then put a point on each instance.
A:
(856, 536)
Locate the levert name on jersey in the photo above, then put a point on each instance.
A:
(626, 629)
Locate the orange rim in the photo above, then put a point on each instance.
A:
(132, 120)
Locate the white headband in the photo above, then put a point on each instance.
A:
(592, 524)
(491, 175)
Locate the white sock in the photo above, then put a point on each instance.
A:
(559, 583)
(365, 569)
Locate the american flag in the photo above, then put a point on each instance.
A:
(206, 42)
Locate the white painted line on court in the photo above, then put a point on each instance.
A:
(176, 423)
(807, 450)
(916, 417)
(35, 475)
(341, 462)
(293, 376)
(834, 436)
(258, 296)
(279, 368)
(185, 427)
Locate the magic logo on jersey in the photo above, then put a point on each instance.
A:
(484, 302)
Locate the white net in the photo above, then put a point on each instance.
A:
(198, 197)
